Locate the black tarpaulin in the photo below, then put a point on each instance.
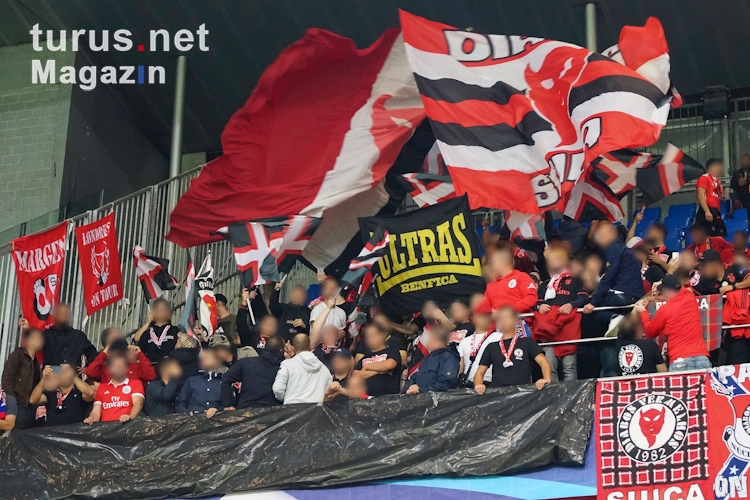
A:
(459, 433)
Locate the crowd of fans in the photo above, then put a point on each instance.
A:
(299, 352)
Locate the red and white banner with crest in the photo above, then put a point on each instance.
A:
(100, 263)
(39, 261)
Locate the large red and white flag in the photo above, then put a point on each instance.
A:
(101, 274)
(317, 136)
(39, 261)
(518, 119)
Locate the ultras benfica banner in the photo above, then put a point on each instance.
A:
(728, 398)
(653, 438)
(100, 263)
(39, 261)
(433, 255)
(710, 307)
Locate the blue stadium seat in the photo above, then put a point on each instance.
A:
(740, 214)
(556, 222)
(687, 209)
(673, 244)
(677, 225)
(734, 225)
(725, 205)
(651, 213)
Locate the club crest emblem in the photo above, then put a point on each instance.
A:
(653, 428)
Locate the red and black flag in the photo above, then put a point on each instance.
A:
(657, 176)
(428, 189)
(375, 248)
(152, 273)
(518, 119)
(591, 199)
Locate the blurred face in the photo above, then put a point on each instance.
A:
(298, 296)
(506, 319)
(221, 308)
(594, 265)
(171, 369)
(67, 376)
(475, 300)
(357, 387)
(113, 334)
(61, 315)
(698, 235)
(688, 260)
(717, 169)
(341, 365)
(589, 281)
(382, 321)
(268, 326)
(375, 337)
(434, 341)
(745, 162)
(328, 289)
(668, 293)
(654, 236)
(162, 312)
(501, 262)
(118, 368)
(741, 261)
(739, 241)
(459, 313)
(482, 322)
(641, 253)
(329, 335)
(713, 270)
(576, 267)
(35, 341)
(556, 262)
(605, 235)
(209, 361)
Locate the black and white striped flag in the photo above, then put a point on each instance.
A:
(373, 251)
(152, 273)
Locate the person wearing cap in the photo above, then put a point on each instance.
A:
(226, 322)
(650, 272)
(679, 321)
(439, 370)
(510, 286)
(708, 277)
(65, 397)
(255, 377)
(161, 393)
(471, 347)
(701, 242)
(293, 316)
(227, 352)
(556, 318)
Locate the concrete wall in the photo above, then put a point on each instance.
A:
(33, 131)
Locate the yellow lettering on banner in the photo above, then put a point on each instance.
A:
(409, 240)
(397, 259)
(427, 242)
(447, 248)
(474, 269)
(459, 226)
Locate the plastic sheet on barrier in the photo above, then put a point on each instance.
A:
(508, 430)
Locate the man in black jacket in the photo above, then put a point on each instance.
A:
(740, 184)
(64, 343)
(256, 376)
(161, 393)
(294, 316)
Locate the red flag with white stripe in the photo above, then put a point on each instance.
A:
(525, 226)
(321, 129)
(428, 190)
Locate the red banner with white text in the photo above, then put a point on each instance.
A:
(100, 263)
(39, 261)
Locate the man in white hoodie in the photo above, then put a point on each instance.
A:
(304, 378)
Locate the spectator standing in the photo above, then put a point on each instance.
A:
(202, 393)
(710, 194)
(226, 351)
(438, 372)
(511, 357)
(510, 287)
(380, 366)
(256, 336)
(708, 278)
(157, 337)
(332, 302)
(460, 317)
(22, 373)
(187, 351)
(329, 344)
(470, 348)
(66, 397)
(293, 316)
(162, 392)
(304, 378)
(226, 322)
(679, 320)
(63, 342)
(740, 184)
(8, 411)
(342, 365)
(139, 366)
(650, 272)
(702, 242)
(120, 399)
(252, 302)
(255, 377)
(556, 318)
(736, 311)
(637, 355)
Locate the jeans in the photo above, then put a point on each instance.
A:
(569, 364)
(691, 363)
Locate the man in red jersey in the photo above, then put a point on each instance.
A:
(120, 399)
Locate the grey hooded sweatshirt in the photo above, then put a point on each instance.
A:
(302, 379)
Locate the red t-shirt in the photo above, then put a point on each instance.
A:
(117, 400)
(714, 190)
(515, 289)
